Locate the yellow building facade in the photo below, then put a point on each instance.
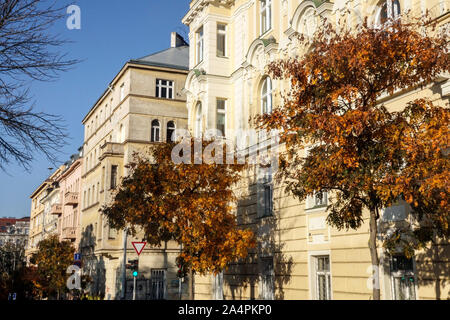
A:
(45, 209)
(142, 106)
(298, 255)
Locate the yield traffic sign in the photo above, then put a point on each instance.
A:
(138, 246)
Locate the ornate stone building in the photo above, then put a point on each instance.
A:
(298, 255)
(142, 106)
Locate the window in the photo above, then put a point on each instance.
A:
(266, 96)
(265, 193)
(198, 126)
(402, 278)
(221, 40)
(158, 280)
(318, 200)
(218, 286)
(322, 277)
(390, 9)
(122, 134)
(221, 115)
(122, 92)
(164, 89)
(170, 131)
(267, 283)
(200, 46)
(103, 177)
(266, 15)
(113, 177)
(155, 131)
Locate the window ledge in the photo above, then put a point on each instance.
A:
(265, 33)
(316, 208)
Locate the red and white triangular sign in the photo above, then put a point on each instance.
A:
(139, 246)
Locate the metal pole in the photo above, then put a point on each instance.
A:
(124, 264)
(134, 288)
(179, 279)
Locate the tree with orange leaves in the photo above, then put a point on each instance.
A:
(186, 202)
(366, 156)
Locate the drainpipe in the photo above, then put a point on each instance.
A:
(124, 263)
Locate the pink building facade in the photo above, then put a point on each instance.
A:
(70, 195)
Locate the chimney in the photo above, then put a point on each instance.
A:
(176, 40)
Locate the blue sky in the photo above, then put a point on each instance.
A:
(112, 32)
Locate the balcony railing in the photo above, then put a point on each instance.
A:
(69, 233)
(71, 198)
(111, 149)
(56, 209)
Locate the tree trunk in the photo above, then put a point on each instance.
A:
(191, 284)
(374, 255)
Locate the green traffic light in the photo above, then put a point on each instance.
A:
(135, 274)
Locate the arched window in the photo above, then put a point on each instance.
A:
(156, 129)
(308, 23)
(266, 96)
(170, 131)
(390, 9)
(198, 126)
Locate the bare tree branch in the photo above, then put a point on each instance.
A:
(29, 52)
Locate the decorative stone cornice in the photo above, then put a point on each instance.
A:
(198, 5)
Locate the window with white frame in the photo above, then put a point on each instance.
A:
(317, 200)
(221, 40)
(266, 15)
(322, 277)
(267, 279)
(221, 116)
(164, 89)
(266, 96)
(217, 286)
(113, 176)
(200, 45)
(122, 134)
(198, 125)
(265, 192)
(122, 92)
(170, 131)
(389, 10)
(402, 278)
(156, 130)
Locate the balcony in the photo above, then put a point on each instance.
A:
(111, 149)
(69, 233)
(71, 199)
(56, 209)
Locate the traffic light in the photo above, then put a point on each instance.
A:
(182, 268)
(133, 265)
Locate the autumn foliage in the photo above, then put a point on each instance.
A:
(188, 203)
(51, 262)
(364, 154)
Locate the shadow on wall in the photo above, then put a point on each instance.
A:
(92, 266)
(433, 268)
(249, 273)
